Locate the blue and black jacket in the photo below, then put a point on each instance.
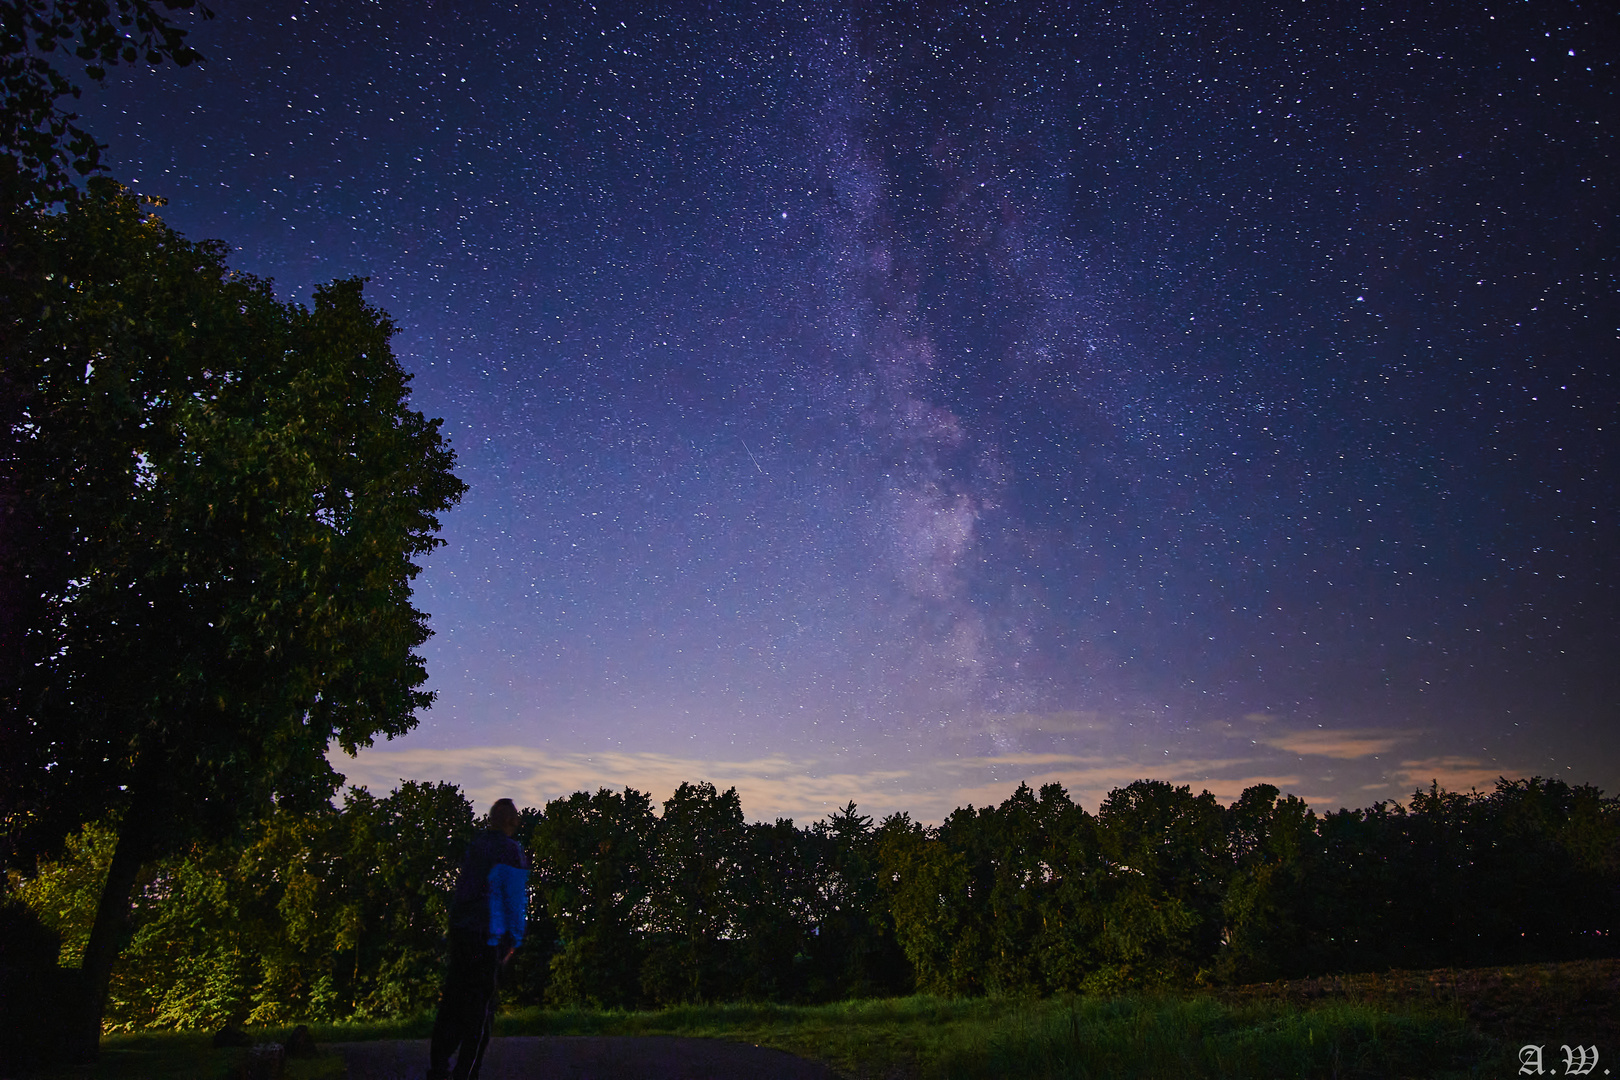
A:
(492, 893)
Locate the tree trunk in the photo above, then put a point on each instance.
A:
(107, 936)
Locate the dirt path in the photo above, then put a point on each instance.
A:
(590, 1057)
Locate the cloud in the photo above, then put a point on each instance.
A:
(1088, 779)
(1346, 745)
(1451, 773)
(776, 785)
(769, 787)
(780, 785)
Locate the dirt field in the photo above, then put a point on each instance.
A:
(1576, 1000)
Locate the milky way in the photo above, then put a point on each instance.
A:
(863, 403)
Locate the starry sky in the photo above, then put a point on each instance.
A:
(899, 402)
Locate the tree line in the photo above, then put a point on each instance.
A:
(340, 911)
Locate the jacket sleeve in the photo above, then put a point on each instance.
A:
(508, 903)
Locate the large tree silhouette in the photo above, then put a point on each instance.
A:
(226, 493)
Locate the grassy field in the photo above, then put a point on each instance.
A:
(1422, 1024)
(1118, 1037)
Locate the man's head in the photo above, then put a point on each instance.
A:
(504, 816)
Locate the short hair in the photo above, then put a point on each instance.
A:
(503, 813)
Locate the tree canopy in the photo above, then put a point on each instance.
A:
(223, 496)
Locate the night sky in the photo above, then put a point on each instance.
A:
(860, 403)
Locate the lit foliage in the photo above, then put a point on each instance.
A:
(323, 915)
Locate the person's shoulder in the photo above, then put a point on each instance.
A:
(511, 853)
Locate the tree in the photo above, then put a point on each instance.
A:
(527, 977)
(1271, 840)
(228, 493)
(699, 871)
(1070, 920)
(776, 891)
(853, 952)
(595, 854)
(1535, 839)
(39, 140)
(1039, 848)
(38, 137)
(389, 881)
(924, 883)
(1165, 866)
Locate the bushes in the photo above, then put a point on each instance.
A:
(333, 914)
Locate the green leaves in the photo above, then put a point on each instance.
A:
(38, 138)
(596, 853)
(325, 915)
(234, 491)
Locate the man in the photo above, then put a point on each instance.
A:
(487, 916)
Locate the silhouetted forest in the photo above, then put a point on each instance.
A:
(341, 913)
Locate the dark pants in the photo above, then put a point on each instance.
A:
(466, 1007)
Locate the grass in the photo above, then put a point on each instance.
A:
(1197, 1036)
(1571, 1001)
(1413, 1024)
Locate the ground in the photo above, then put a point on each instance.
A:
(590, 1057)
